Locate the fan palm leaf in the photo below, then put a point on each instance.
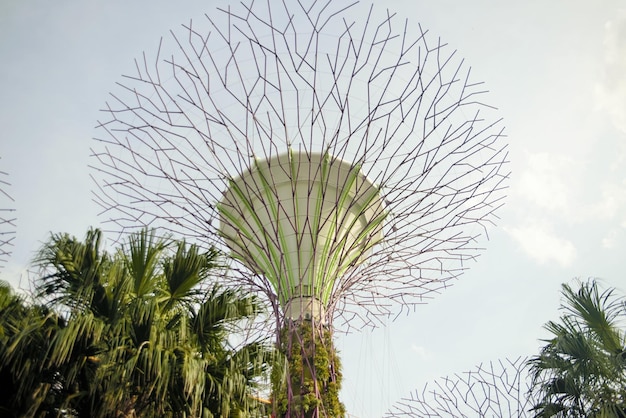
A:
(581, 371)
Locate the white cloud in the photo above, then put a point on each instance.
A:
(545, 181)
(573, 189)
(541, 244)
(421, 352)
(611, 91)
(611, 203)
(609, 241)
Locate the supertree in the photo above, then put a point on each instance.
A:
(7, 220)
(347, 163)
(498, 389)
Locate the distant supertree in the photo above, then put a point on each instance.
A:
(347, 163)
(7, 220)
(496, 390)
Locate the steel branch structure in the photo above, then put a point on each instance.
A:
(7, 220)
(265, 80)
(347, 162)
(495, 389)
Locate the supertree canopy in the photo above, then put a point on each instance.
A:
(7, 220)
(342, 155)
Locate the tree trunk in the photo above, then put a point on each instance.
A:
(307, 383)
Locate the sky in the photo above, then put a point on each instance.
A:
(555, 69)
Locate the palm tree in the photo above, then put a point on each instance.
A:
(581, 371)
(146, 329)
(28, 385)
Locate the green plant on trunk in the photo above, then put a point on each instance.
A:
(308, 371)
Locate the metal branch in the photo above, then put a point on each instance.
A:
(313, 78)
(495, 389)
(7, 220)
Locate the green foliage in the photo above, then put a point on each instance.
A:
(581, 371)
(308, 373)
(143, 333)
(29, 386)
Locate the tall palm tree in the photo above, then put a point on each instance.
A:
(581, 371)
(147, 329)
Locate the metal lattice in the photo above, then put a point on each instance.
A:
(7, 220)
(500, 389)
(250, 84)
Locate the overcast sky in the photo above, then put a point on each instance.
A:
(556, 69)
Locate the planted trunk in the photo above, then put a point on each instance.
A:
(307, 382)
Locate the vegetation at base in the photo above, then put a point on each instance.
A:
(27, 381)
(581, 371)
(308, 372)
(142, 332)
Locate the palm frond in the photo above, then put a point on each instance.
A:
(142, 333)
(142, 256)
(581, 370)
